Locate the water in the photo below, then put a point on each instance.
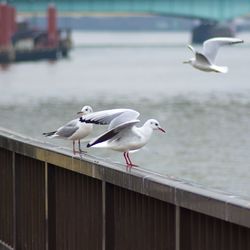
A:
(206, 115)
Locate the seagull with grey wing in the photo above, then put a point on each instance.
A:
(74, 130)
(122, 135)
(205, 60)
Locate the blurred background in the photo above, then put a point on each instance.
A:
(57, 57)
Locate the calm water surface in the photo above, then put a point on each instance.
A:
(206, 115)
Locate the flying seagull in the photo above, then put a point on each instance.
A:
(123, 135)
(205, 60)
(74, 130)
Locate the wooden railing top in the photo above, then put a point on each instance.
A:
(218, 204)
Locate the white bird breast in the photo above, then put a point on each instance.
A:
(83, 131)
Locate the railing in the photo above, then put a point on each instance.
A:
(51, 200)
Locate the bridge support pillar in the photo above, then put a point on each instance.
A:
(205, 31)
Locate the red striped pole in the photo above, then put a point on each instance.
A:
(5, 26)
(52, 25)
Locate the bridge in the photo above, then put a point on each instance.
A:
(215, 10)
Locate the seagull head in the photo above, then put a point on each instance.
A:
(155, 125)
(85, 110)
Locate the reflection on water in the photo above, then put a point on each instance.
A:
(207, 116)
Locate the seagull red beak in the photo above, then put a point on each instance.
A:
(162, 130)
(80, 113)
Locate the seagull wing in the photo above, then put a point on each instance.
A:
(126, 116)
(110, 134)
(68, 129)
(211, 46)
(202, 59)
(113, 117)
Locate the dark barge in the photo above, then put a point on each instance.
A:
(19, 42)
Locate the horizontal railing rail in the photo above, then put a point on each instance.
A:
(50, 199)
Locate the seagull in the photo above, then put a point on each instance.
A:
(74, 130)
(205, 60)
(123, 135)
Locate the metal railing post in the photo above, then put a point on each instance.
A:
(46, 207)
(103, 215)
(14, 197)
(177, 228)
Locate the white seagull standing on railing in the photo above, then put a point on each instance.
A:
(74, 130)
(205, 60)
(122, 134)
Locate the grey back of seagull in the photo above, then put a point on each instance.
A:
(68, 129)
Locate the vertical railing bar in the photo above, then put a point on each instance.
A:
(177, 228)
(103, 215)
(14, 197)
(46, 207)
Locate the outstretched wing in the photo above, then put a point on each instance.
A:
(125, 117)
(211, 46)
(110, 134)
(113, 117)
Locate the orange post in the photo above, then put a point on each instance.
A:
(5, 26)
(52, 26)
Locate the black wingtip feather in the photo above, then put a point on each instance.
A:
(105, 137)
(49, 133)
(92, 121)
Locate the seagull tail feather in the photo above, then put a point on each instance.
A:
(49, 133)
(220, 69)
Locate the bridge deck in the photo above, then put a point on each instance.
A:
(218, 10)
